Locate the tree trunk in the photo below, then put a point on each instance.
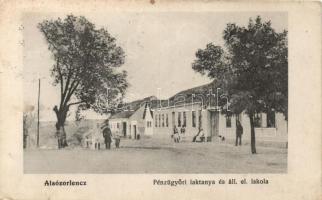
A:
(252, 134)
(61, 115)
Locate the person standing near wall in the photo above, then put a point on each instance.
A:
(239, 133)
(117, 138)
(176, 136)
(96, 137)
(107, 134)
(183, 130)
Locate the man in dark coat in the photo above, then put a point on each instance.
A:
(107, 134)
(239, 132)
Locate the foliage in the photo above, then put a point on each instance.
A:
(86, 62)
(86, 59)
(252, 68)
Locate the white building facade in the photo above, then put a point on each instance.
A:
(133, 124)
(272, 127)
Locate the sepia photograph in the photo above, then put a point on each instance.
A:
(160, 99)
(155, 92)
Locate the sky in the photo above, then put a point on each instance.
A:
(159, 46)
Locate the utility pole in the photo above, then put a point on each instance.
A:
(38, 113)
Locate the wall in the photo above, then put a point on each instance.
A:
(166, 131)
(136, 119)
(279, 133)
(113, 125)
(148, 119)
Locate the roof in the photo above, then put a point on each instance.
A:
(145, 109)
(186, 96)
(203, 89)
(128, 109)
(134, 105)
(181, 97)
(122, 114)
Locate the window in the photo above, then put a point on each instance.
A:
(258, 120)
(156, 120)
(159, 120)
(193, 113)
(173, 119)
(118, 125)
(200, 119)
(184, 119)
(166, 120)
(228, 121)
(270, 119)
(162, 120)
(148, 124)
(179, 119)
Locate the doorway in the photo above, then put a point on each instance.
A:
(134, 130)
(214, 123)
(173, 119)
(124, 128)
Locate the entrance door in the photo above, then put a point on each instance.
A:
(124, 129)
(134, 129)
(214, 123)
(173, 119)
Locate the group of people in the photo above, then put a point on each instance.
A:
(107, 134)
(176, 136)
(200, 136)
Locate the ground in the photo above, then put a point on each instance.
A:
(153, 155)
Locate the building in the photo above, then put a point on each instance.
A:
(134, 119)
(195, 108)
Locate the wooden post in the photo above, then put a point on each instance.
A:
(38, 113)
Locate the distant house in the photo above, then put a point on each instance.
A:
(134, 120)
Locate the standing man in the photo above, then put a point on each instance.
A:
(107, 133)
(239, 132)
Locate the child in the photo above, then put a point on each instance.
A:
(117, 139)
(176, 137)
(175, 134)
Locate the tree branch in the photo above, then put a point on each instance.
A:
(75, 103)
(63, 100)
(72, 89)
(61, 79)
